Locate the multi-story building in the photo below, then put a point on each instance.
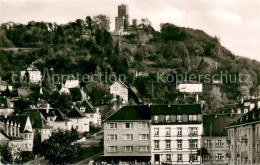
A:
(244, 135)
(118, 88)
(127, 136)
(93, 115)
(35, 75)
(122, 20)
(79, 120)
(215, 139)
(17, 130)
(176, 133)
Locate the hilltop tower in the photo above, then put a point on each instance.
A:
(122, 20)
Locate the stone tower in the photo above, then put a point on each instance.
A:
(122, 20)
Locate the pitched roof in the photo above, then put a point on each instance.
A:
(218, 122)
(88, 107)
(20, 119)
(37, 119)
(75, 113)
(136, 112)
(176, 109)
(10, 137)
(121, 83)
(23, 92)
(248, 118)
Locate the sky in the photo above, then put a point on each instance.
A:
(235, 22)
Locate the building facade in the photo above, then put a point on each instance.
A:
(93, 115)
(176, 134)
(215, 139)
(119, 89)
(244, 139)
(127, 136)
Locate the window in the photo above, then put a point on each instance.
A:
(128, 125)
(142, 125)
(143, 148)
(115, 88)
(112, 137)
(128, 148)
(179, 131)
(179, 144)
(156, 144)
(168, 118)
(206, 157)
(168, 157)
(178, 118)
(194, 117)
(168, 144)
(143, 136)
(156, 131)
(156, 118)
(193, 144)
(111, 148)
(168, 131)
(193, 157)
(179, 157)
(218, 156)
(219, 143)
(193, 131)
(112, 125)
(128, 136)
(207, 143)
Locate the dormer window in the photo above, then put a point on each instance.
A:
(178, 118)
(82, 109)
(168, 118)
(156, 118)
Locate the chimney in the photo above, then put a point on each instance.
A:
(169, 104)
(197, 98)
(242, 100)
(97, 110)
(5, 115)
(47, 108)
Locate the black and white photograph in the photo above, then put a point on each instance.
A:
(130, 82)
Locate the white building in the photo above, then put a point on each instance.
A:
(93, 115)
(79, 120)
(72, 84)
(190, 87)
(176, 134)
(119, 89)
(17, 130)
(4, 85)
(35, 75)
(6, 106)
(58, 120)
